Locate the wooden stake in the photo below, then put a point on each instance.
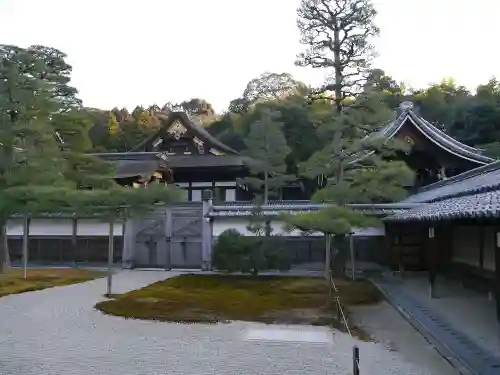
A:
(353, 260)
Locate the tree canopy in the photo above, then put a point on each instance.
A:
(43, 140)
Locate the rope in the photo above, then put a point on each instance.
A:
(355, 357)
(339, 304)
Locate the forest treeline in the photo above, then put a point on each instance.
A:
(471, 117)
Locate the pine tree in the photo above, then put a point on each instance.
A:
(38, 173)
(338, 36)
(355, 165)
(265, 155)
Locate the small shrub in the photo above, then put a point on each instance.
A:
(236, 253)
(229, 250)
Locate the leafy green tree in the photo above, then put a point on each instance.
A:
(113, 126)
(442, 103)
(393, 93)
(265, 155)
(49, 65)
(354, 164)
(38, 173)
(331, 221)
(338, 36)
(200, 109)
(271, 86)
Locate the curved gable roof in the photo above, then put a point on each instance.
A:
(436, 136)
(198, 131)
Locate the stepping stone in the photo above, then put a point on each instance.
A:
(288, 335)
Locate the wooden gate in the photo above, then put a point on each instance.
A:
(170, 237)
(184, 235)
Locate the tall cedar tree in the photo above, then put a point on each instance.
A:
(337, 34)
(265, 155)
(39, 171)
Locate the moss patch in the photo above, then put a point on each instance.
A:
(219, 298)
(12, 282)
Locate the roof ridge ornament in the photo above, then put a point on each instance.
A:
(406, 105)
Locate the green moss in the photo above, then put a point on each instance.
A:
(13, 282)
(219, 298)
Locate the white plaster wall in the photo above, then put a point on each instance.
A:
(88, 227)
(63, 227)
(278, 228)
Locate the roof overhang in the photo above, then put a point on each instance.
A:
(130, 164)
(477, 206)
(276, 208)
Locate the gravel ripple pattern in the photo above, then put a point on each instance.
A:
(57, 331)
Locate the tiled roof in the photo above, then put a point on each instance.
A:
(482, 205)
(482, 179)
(130, 164)
(473, 194)
(436, 136)
(274, 208)
(132, 168)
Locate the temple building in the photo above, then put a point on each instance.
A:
(434, 155)
(453, 229)
(184, 154)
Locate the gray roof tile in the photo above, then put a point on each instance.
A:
(477, 180)
(274, 208)
(470, 206)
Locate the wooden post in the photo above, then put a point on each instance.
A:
(353, 258)
(481, 245)
(74, 237)
(431, 263)
(497, 274)
(111, 243)
(206, 232)
(355, 360)
(328, 239)
(168, 235)
(26, 235)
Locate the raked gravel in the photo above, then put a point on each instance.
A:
(57, 331)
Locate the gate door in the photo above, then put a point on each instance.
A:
(186, 237)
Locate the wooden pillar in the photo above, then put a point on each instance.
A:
(387, 258)
(497, 273)
(206, 232)
(481, 246)
(432, 257)
(74, 239)
(168, 237)
(26, 239)
(446, 244)
(128, 251)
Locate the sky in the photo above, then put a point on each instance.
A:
(130, 52)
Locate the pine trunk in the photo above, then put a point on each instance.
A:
(339, 99)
